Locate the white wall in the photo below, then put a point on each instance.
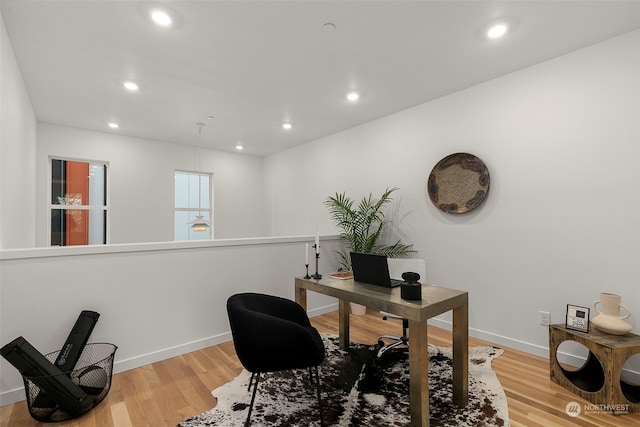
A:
(141, 184)
(17, 153)
(155, 300)
(560, 224)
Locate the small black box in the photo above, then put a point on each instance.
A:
(411, 291)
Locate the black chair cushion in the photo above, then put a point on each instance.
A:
(272, 333)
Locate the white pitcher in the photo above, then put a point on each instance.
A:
(609, 320)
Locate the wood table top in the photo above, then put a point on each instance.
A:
(435, 299)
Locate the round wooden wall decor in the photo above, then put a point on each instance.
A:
(458, 183)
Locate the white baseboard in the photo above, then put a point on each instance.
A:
(18, 394)
(497, 339)
(631, 376)
(167, 353)
(322, 310)
(12, 396)
(476, 333)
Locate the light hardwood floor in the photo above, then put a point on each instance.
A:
(165, 393)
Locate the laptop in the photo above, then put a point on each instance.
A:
(372, 269)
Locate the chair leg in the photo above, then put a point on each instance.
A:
(253, 398)
(319, 398)
(403, 340)
(250, 381)
(390, 346)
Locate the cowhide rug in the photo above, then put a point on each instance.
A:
(360, 390)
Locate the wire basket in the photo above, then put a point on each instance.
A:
(92, 374)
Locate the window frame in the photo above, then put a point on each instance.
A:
(104, 208)
(208, 210)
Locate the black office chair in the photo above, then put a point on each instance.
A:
(274, 334)
(395, 340)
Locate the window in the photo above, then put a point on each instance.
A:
(192, 198)
(78, 203)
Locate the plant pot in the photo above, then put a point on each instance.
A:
(358, 309)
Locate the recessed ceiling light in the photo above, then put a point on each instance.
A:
(161, 17)
(497, 31)
(287, 126)
(239, 147)
(132, 86)
(353, 96)
(114, 125)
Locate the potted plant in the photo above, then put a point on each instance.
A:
(362, 225)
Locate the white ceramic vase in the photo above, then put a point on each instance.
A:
(609, 320)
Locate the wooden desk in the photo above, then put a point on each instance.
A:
(435, 301)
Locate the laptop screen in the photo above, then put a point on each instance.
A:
(370, 268)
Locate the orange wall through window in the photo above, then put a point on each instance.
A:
(77, 193)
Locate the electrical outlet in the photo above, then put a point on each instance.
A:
(545, 318)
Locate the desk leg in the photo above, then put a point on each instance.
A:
(418, 374)
(301, 296)
(344, 309)
(461, 355)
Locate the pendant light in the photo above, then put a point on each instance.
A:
(199, 224)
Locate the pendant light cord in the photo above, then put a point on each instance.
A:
(199, 124)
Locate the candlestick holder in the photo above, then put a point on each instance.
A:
(317, 275)
(306, 276)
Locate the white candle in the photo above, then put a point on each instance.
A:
(317, 241)
(306, 254)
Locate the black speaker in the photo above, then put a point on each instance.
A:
(77, 339)
(411, 289)
(51, 380)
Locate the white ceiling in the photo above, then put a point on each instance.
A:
(255, 64)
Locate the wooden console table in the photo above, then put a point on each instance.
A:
(599, 379)
(435, 301)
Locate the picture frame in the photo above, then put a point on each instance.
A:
(577, 318)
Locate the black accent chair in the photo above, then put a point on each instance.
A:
(272, 334)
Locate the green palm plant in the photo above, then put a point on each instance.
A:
(361, 226)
